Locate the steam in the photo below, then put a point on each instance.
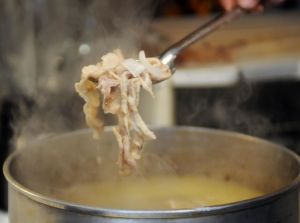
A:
(47, 42)
(59, 38)
(232, 108)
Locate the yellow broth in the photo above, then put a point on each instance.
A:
(158, 193)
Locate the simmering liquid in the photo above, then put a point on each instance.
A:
(158, 193)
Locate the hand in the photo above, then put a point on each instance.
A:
(252, 5)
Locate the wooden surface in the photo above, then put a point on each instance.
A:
(250, 38)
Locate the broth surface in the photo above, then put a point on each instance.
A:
(158, 193)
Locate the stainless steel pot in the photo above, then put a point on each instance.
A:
(49, 164)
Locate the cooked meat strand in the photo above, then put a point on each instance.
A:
(118, 82)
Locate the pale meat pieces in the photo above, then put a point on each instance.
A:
(118, 82)
(88, 91)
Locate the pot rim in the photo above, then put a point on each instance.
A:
(152, 214)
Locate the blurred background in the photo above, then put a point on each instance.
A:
(244, 77)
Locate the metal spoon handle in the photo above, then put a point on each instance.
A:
(169, 55)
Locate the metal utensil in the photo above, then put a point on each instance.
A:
(168, 56)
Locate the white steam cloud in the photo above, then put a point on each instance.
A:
(48, 41)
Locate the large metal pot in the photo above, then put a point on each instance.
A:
(36, 172)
